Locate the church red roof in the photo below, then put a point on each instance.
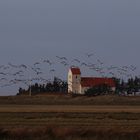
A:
(75, 71)
(91, 82)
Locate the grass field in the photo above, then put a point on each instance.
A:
(62, 99)
(69, 118)
(69, 108)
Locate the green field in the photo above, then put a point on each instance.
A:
(57, 117)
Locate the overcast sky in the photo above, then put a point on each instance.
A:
(35, 29)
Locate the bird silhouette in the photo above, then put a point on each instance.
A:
(39, 72)
(76, 60)
(89, 54)
(64, 63)
(12, 65)
(3, 79)
(6, 67)
(111, 73)
(61, 58)
(48, 62)
(84, 64)
(36, 63)
(1, 73)
(18, 73)
(100, 62)
(52, 70)
(23, 66)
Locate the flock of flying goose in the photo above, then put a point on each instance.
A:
(12, 74)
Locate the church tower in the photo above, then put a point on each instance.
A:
(74, 80)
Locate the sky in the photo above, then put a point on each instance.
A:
(33, 30)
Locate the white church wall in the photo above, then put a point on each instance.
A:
(74, 81)
(70, 81)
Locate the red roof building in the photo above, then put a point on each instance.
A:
(75, 71)
(91, 81)
(79, 84)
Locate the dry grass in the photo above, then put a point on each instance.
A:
(66, 133)
(57, 117)
(70, 125)
(69, 108)
(62, 99)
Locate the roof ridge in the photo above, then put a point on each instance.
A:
(75, 70)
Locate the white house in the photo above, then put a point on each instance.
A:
(78, 84)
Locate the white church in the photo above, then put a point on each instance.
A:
(78, 84)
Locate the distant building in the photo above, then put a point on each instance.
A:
(78, 84)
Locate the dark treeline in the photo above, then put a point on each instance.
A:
(57, 85)
(131, 86)
(98, 90)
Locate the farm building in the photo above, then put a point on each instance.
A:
(78, 84)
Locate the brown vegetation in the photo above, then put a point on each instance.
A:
(63, 99)
(64, 117)
(66, 133)
(70, 126)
